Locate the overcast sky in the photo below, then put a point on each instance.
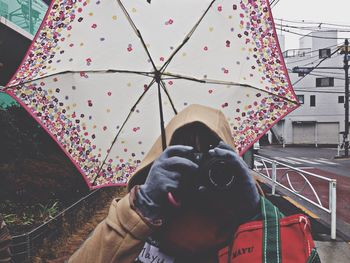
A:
(335, 11)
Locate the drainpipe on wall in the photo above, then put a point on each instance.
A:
(316, 139)
(283, 134)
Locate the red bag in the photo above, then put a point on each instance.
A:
(276, 239)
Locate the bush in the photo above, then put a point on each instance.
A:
(32, 169)
(21, 136)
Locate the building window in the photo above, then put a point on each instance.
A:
(313, 101)
(324, 53)
(341, 99)
(300, 99)
(325, 82)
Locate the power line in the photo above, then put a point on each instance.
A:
(296, 27)
(297, 61)
(315, 67)
(312, 22)
(307, 35)
(320, 91)
(312, 62)
(312, 51)
(275, 3)
(329, 72)
(321, 74)
(309, 28)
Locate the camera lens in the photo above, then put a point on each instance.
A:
(220, 174)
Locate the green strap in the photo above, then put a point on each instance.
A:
(271, 232)
(314, 258)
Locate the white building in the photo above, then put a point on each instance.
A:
(320, 118)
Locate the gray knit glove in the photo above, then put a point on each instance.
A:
(165, 176)
(243, 197)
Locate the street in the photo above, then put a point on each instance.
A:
(309, 158)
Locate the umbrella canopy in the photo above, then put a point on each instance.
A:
(101, 75)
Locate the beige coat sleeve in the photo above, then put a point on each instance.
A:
(118, 238)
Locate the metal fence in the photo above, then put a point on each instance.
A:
(25, 246)
(300, 183)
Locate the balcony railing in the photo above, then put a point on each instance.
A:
(26, 14)
(303, 52)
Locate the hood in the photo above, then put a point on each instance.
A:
(213, 119)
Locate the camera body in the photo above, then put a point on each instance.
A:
(214, 173)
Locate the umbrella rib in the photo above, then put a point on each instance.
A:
(221, 82)
(188, 36)
(168, 95)
(121, 128)
(138, 33)
(174, 76)
(147, 74)
(161, 117)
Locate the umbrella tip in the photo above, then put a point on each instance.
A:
(149, 1)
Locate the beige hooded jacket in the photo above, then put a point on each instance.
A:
(121, 236)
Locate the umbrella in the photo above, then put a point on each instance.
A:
(102, 76)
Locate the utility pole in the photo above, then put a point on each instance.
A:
(346, 103)
(307, 70)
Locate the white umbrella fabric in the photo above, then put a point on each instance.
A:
(103, 76)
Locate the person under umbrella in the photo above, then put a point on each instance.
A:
(176, 210)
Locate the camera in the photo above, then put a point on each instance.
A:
(214, 173)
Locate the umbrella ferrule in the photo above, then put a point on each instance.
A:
(158, 76)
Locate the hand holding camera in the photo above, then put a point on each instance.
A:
(165, 176)
(242, 197)
(180, 171)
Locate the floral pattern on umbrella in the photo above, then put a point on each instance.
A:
(90, 76)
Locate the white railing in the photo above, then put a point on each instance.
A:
(302, 187)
